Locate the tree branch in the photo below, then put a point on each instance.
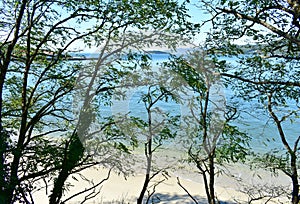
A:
(190, 195)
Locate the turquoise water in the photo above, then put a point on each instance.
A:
(254, 120)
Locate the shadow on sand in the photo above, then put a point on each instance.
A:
(168, 199)
(180, 199)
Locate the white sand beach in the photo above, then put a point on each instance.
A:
(117, 189)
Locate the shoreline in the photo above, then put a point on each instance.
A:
(230, 187)
(237, 184)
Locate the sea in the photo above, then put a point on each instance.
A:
(253, 118)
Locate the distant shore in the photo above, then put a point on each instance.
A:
(94, 56)
(81, 58)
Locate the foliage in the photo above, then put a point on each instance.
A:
(211, 139)
(154, 128)
(38, 82)
(263, 37)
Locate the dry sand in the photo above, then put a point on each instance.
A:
(228, 188)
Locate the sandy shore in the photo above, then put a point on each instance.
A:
(231, 186)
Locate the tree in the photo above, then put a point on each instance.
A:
(211, 139)
(160, 127)
(149, 124)
(37, 83)
(268, 69)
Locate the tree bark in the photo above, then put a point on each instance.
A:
(141, 196)
(7, 189)
(73, 153)
(295, 182)
(291, 152)
(212, 178)
(148, 152)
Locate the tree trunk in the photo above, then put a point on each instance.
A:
(2, 164)
(148, 152)
(212, 178)
(206, 184)
(73, 153)
(292, 153)
(142, 194)
(58, 187)
(295, 182)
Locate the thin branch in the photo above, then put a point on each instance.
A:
(279, 126)
(296, 144)
(89, 189)
(154, 188)
(286, 83)
(192, 197)
(261, 22)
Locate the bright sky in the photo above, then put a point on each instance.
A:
(197, 16)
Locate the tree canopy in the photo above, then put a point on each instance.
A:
(52, 120)
(263, 36)
(38, 82)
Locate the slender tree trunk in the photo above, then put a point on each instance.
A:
(7, 190)
(2, 165)
(18, 152)
(209, 151)
(212, 178)
(3, 138)
(295, 182)
(148, 152)
(206, 184)
(208, 179)
(142, 194)
(293, 162)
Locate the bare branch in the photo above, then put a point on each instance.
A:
(192, 197)
(89, 189)
(286, 83)
(261, 22)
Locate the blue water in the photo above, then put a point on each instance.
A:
(254, 119)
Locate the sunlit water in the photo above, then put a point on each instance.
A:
(254, 119)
